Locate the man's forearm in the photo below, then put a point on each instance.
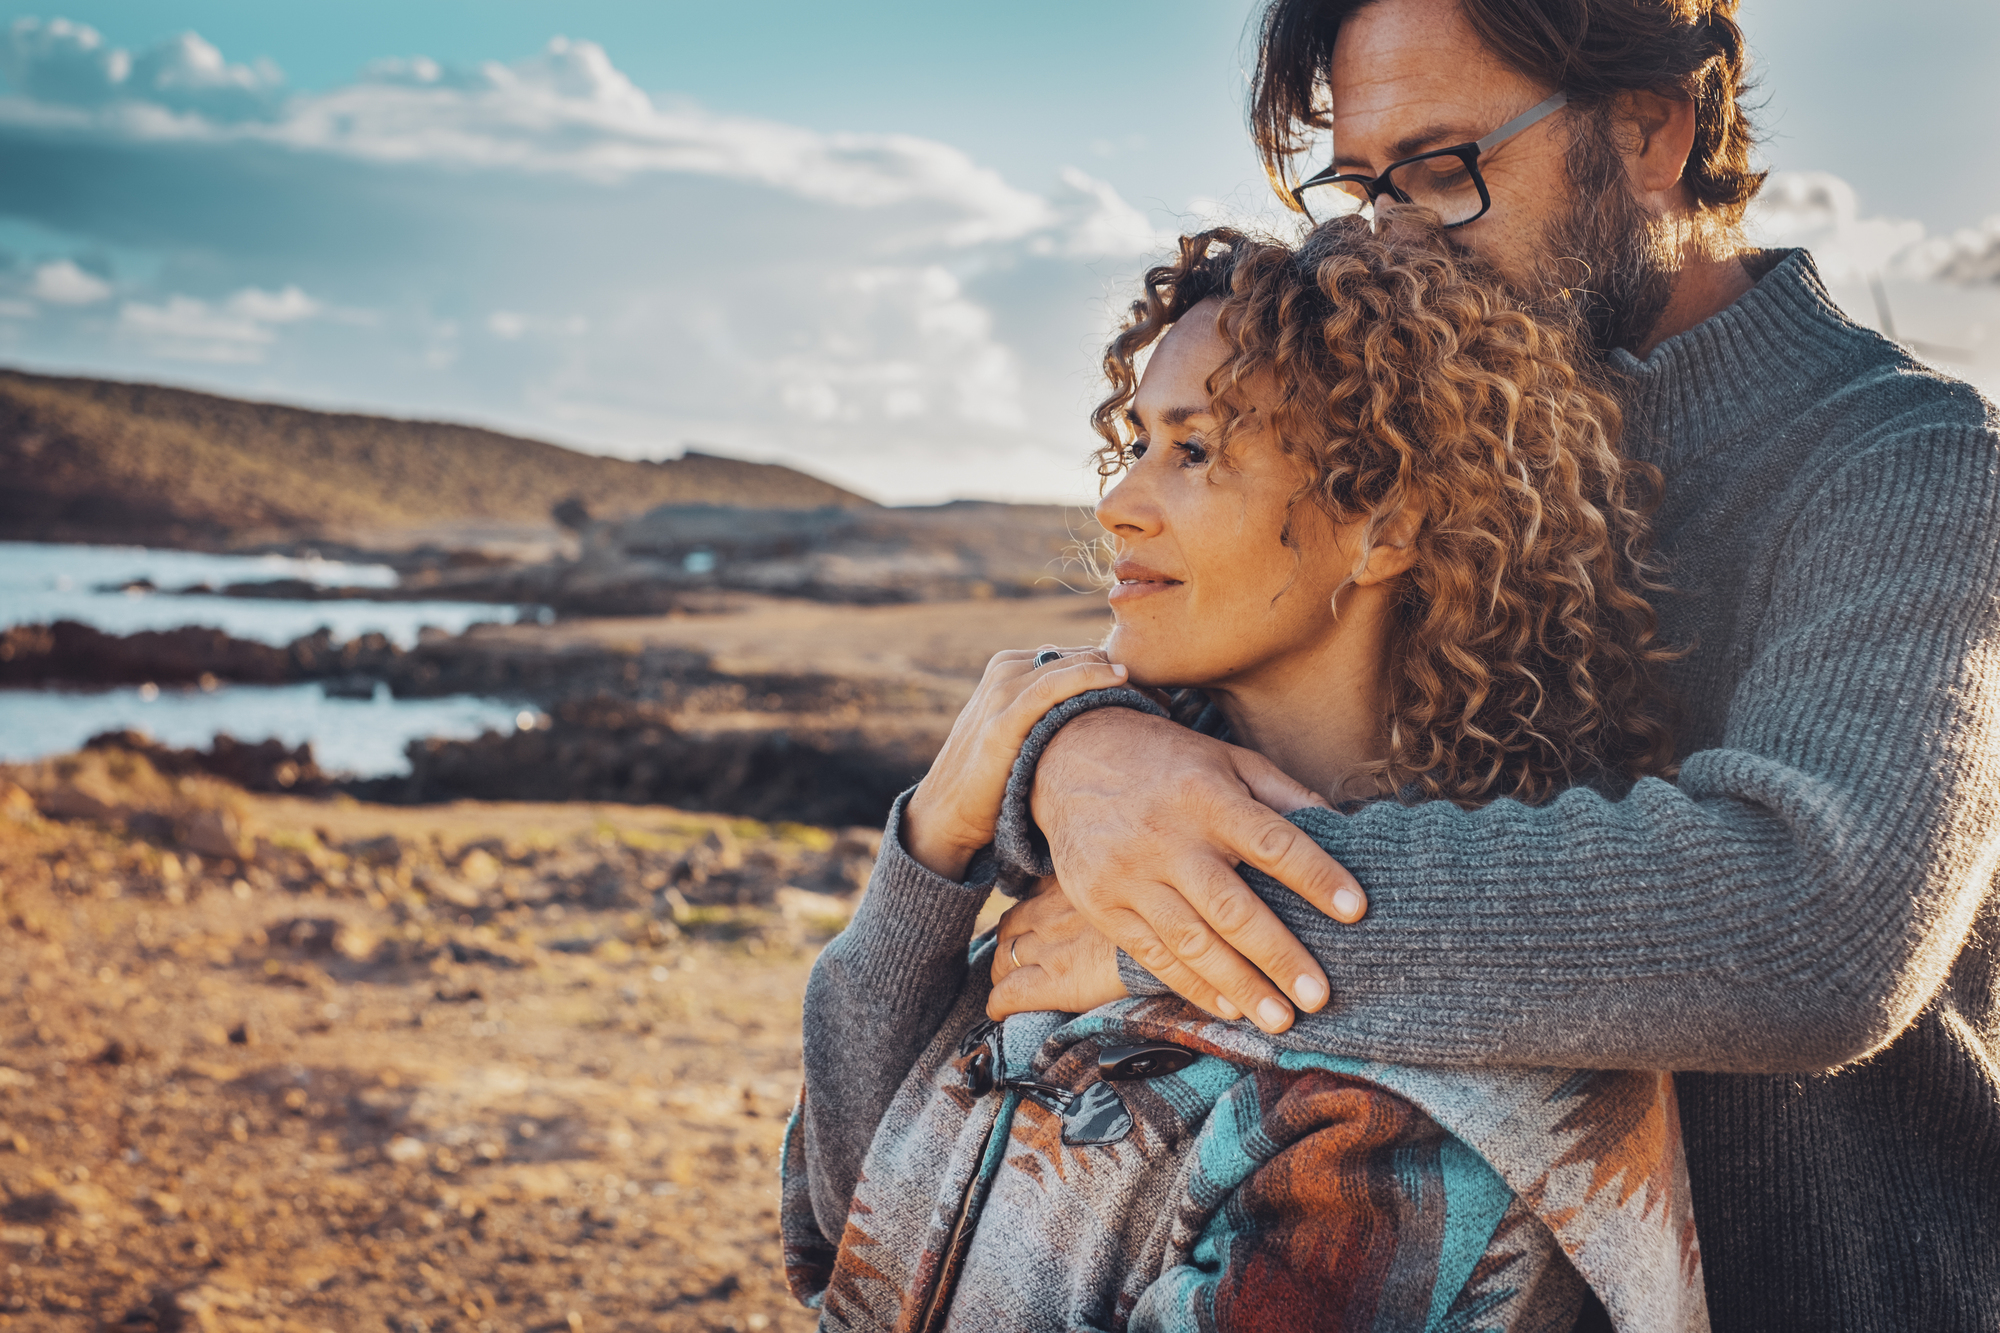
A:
(1792, 904)
(1655, 932)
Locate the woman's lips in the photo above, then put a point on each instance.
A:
(1135, 580)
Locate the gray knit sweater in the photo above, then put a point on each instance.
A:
(1806, 921)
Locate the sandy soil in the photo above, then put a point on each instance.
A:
(470, 1068)
(770, 634)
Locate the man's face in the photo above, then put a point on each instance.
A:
(1411, 75)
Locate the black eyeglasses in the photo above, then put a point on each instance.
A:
(1445, 180)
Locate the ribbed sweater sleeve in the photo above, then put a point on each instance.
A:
(873, 1002)
(1801, 893)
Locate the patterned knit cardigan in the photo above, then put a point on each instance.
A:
(1147, 1166)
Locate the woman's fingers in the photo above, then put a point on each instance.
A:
(1057, 681)
(1006, 939)
(1049, 957)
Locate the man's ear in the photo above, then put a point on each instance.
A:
(1658, 135)
(1394, 549)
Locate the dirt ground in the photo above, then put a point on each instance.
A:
(938, 640)
(275, 1064)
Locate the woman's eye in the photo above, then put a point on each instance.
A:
(1193, 453)
(1137, 450)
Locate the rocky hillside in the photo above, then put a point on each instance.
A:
(94, 460)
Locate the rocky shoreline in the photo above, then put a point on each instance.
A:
(643, 724)
(702, 558)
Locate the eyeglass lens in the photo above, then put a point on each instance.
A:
(1443, 184)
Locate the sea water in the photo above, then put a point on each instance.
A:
(364, 737)
(42, 583)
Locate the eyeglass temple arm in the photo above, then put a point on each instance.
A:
(1513, 127)
(1522, 121)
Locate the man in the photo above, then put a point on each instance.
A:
(1805, 921)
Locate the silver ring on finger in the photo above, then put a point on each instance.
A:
(1046, 656)
(1011, 956)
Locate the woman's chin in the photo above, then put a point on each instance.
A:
(1149, 670)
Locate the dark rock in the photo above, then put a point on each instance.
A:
(310, 935)
(386, 850)
(617, 750)
(69, 653)
(213, 833)
(119, 1052)
(42, 1206)
(267, 766)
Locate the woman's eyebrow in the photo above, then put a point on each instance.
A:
(1171, 416)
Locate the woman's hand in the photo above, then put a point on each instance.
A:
(954, 809)
(1051, 957)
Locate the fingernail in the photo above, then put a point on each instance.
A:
(1272, 1015)
(1348, 904)
(1310, 992)
(1118, 670)
(1226, 1009)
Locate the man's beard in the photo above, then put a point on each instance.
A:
(1603, 258)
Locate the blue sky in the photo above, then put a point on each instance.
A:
(880, 241)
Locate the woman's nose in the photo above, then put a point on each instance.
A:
(1127, 510)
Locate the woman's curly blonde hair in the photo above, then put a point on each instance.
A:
(1407, 380)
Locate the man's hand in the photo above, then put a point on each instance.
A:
(1146, 823)
(1050, 957)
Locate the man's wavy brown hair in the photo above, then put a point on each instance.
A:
(1404, 379)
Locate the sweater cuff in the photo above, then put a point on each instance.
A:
(1138, 981)
(910, 915)
(1020, 852)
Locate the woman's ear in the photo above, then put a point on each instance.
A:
(1394, 548)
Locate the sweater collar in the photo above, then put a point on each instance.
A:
(1732, 372)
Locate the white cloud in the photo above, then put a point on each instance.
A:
(1102, 223)
(1970, 256)
(1817, 210)
(1938, 294)
(187, 74)
(61, 282)
(941, 357)
(238, 331)
(67, 64)
(62, 62)
(544, 246)
(280, 307)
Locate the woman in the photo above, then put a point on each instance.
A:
(1370, 522)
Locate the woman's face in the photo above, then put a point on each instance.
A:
(1208, 592)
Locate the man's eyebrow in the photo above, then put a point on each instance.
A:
(1431, 136)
